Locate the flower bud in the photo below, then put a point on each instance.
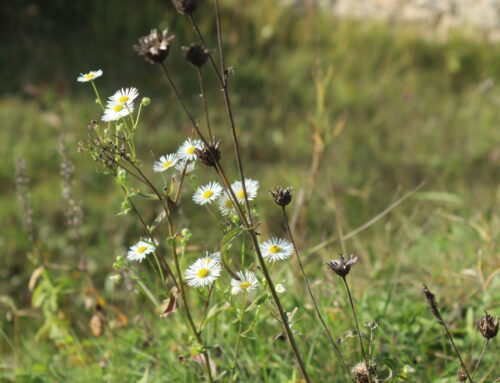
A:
(186, 6)
(196, 54)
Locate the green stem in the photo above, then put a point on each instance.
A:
(238, 340)
(97, 95)
(251, 232)
(480, 356)
(313, 299)
(365, 357)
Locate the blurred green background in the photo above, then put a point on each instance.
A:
(359, 110)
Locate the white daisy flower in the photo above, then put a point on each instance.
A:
(251, 186)
(142, 248)
(226, 206)
(210, 257)
(91, 76)
(203, 273)
(186, 150)
(114, 112)
(207, 194)
(248, 282)
(181, 163)
(276, 249)
(124, 96)
(165, 162)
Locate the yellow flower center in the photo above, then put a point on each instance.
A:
(117, 108)
(142, 249)
(207, 194)
(123, 99)
(229, 204)
(245, 285)
(166, 164)
(240, 194)
(274, 249)
(203, 273)
(89, 76)
(191, 150)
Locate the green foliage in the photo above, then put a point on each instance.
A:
(381, 109)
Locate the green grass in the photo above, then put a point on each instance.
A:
(398, 110)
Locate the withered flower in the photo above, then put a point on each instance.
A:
(360, 373)
(488, 326)
(155, 46)
(431, 299)
(196, 54)
(462, 376)
(342, 267)
(186, 6)
(209, 154)
(282, 196)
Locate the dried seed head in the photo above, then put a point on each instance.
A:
(186, 6)
(462, 375)
(488, 326)
(282, 196)
(431, 299)
(155, 46)
(209, 154)
(360, 373)
(196, 54)
(342, 267)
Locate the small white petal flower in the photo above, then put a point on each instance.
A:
(207, 194)
(276, 249)
(165, 162)
(91, 76)
(280, 288)
(186, 150)
(210, 257)
(124, 96)
(203, 273)
(251, 186)
(142, 248)
(248, 282)
(114, 112)
(182, 163)
(226, 206)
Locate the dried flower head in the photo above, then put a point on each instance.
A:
(209, 154)
(155, 46)
(488, 326)
(186, 6)
(282, 196)
(431, 299)
(342, 267)
(462, 375)
(360, 373)
(196, 54)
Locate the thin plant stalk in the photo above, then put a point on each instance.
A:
(225, 91)
(365, 356)
(251, 232)
(448, 334)
(316, 308)
(97, 95)
(171, 233)
(204, 100)
(351, 302)
(238, 340)
(431, 300)
(480, 357)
